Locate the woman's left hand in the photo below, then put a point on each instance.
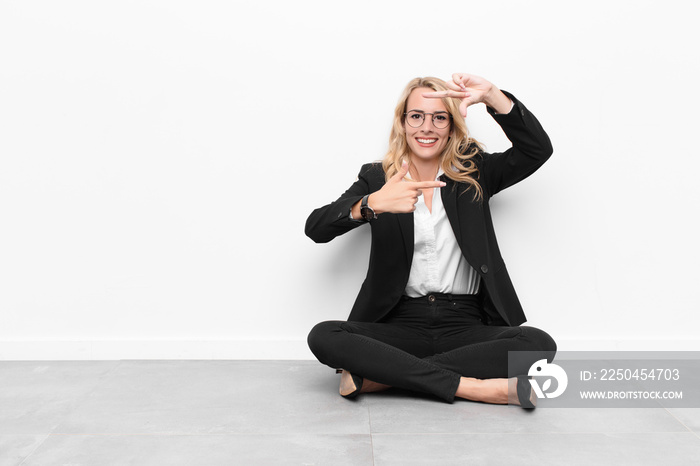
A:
(472, 89)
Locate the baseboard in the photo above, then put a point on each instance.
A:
(24, 350)
(628, 344)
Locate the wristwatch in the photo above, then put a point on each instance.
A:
(366, 211)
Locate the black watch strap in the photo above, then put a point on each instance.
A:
(365, 210)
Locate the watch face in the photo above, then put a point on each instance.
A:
(366, 213)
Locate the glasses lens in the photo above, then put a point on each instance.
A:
(441, 120)
(414, 119)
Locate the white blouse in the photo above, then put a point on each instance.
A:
(438, 264)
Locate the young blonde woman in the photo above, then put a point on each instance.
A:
(437, 312)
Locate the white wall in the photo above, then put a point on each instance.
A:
(158, 160)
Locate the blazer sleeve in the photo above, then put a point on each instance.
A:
(331, 220)
(531, 149)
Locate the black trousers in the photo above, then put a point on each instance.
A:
(426, 344)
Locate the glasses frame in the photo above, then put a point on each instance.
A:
(432, 118)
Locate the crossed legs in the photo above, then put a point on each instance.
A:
(467, 361)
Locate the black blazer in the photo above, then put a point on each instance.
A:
(392, 234)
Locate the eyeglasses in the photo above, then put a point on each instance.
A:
(415, 119)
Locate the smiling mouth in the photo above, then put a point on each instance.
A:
(426, 141)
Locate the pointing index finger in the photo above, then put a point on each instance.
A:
(428, 184)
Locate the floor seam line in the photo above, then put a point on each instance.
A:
(371, 440)
(682, 423)
(34, 450)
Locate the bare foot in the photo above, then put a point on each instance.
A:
(369, 386)
(496, 391)
(485, 390)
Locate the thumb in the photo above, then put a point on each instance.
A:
(463, 107)
(401, 173)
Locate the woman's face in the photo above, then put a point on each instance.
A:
(427, 141)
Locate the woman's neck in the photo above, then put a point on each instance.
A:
(424, 170)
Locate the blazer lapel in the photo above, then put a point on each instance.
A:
(406, 227)
(449, 201)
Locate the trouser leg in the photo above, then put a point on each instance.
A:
(384, 353)
(485, 355)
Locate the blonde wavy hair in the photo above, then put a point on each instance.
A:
(456, 159)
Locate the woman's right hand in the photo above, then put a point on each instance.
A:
(472, 89)
(398, 195)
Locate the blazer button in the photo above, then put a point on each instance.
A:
(484, 268)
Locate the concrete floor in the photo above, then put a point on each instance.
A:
(288, 412)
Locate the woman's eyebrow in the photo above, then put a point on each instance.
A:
(423, 111)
